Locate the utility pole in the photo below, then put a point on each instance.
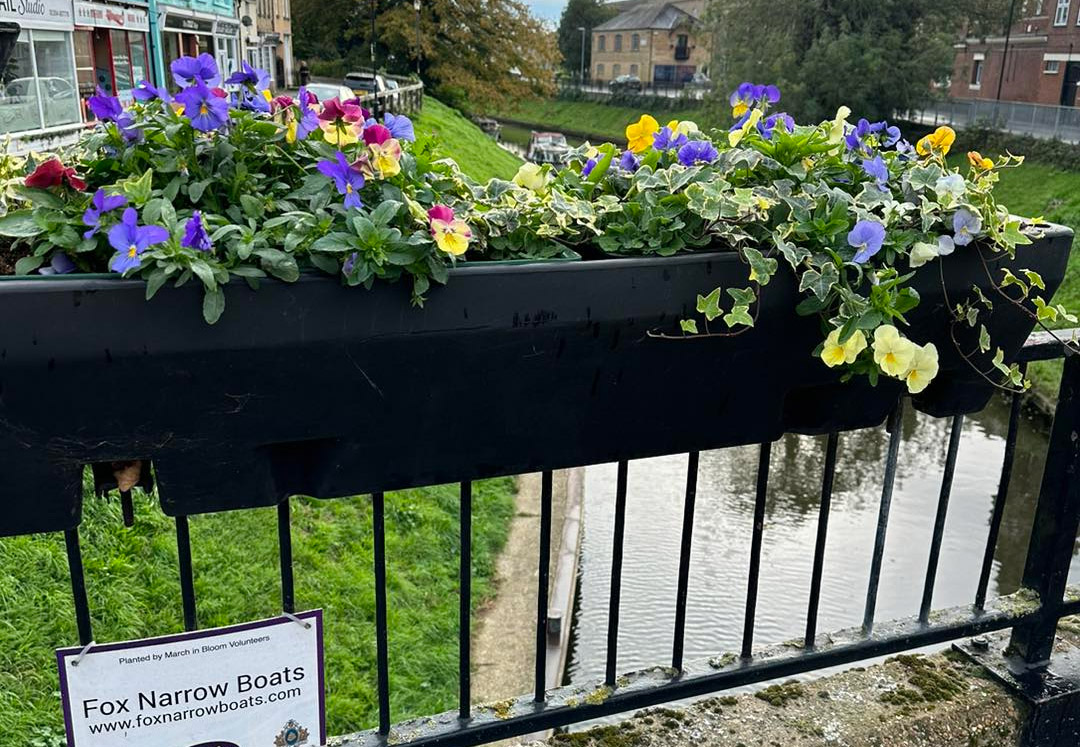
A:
(416, 5)
(1005, 52)
(373, 68)
(581, 74)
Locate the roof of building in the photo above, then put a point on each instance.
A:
(662, 15)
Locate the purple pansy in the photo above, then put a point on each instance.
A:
(348, 180)
(588, 167)
(749, 94)
(144, 90)
(190, 70)
(252, 101)
(771, 122)
(106, 108)
(876, 169)
(400, 126)
(249, 76)
(59, 264)
(308, 121)
(100, 204)
(667, 139)
(629, 162)
(195, 235)
(866, 238)
(966, 226)
(205, 110)
(697, 151)
(130, 240)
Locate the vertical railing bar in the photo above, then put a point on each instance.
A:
(827, 480)
(942, 514)
(187, 577)
(1001, 498)
(755, 549)
(894, 428)
(542, 575)
(465, 603)
(78, 586)
(616, 573)
(378, 521)
(127, 508)
(284, 527)
(684, 560)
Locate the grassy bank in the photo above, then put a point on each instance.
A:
(478, 155)
(586, 117)
(134, 592)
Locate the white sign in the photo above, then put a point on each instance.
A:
(111, 16)
(35, 13)
(254, 685)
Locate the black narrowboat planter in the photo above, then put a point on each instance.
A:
(311, 388)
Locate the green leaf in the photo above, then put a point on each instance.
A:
(196, 189)
(385, 213)
(336, 242)
(138, 189)
(761, 268)
(710, 305)
(326, 263)
(20, 223)
(820, 283)
(984, 338)
(739, 315)
(26, 265)
(689, 326)
(213, 305)
(205, 273)
(157, 278)
(39, 197)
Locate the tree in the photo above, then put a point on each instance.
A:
(878, 57)
(470, 51)
(576, 15)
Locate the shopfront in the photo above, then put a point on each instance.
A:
(39, 93)
(192, 35)
(111, 48)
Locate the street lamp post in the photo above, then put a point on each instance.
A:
(581, 73)
(373, 68)
(1005, 51)
(416, 5)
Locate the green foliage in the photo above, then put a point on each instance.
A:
(134, 593)
(875, 59)
(577, 14)
(589, 118)
(478, 155)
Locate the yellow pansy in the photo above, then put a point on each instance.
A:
(836, 132)
(739, 109)
(531, 176)
(736, 135)
(892, 353)
(978, 161)
(453, 237)
(922, 253)
(639, 135)
(938, 141)
(833, 353)
(386, 157)
(685, 127)
(924, 367)
(339, 135)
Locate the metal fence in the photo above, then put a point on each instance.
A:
(1032, 613)
(604, 90)
(1037, 120)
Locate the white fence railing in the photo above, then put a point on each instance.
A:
(1038, 120)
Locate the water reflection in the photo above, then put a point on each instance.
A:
(722, 536)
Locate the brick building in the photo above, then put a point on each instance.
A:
(1043, 61)
(660, 42)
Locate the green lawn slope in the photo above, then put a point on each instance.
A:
(478, 155)
(585, 117)
(134, 590)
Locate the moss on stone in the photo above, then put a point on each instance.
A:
(931, 682)
(601, 736)
(723, 660)
(503, 709)
(781, 695)
(598, 696)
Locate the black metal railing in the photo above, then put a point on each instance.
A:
(1032, 613)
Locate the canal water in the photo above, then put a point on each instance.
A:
(722, 529)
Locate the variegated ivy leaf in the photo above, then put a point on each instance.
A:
(820, 283)
(984, 338)
(709, 305)
(793, 253)
(1035, 279)
(689, 326)
(762, 268)
(739, 316)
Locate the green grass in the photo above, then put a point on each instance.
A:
(587, 117)
(478, 155)
(134, 592)
(1041, 190)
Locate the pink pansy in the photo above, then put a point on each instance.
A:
(376, 134)
(440, 212)
(334, 109)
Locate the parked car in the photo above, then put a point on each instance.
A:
(326, 91)
(365, 83)
(625, 84)
(548, 147)
(699, 80)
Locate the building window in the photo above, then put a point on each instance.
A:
(976, 73)
(616, 70)
(682, 47)
(1062, 15)
(600, 71)
(1051, 67)
(635, 42)
(618, 42)
(633, 69)
(600, 43)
